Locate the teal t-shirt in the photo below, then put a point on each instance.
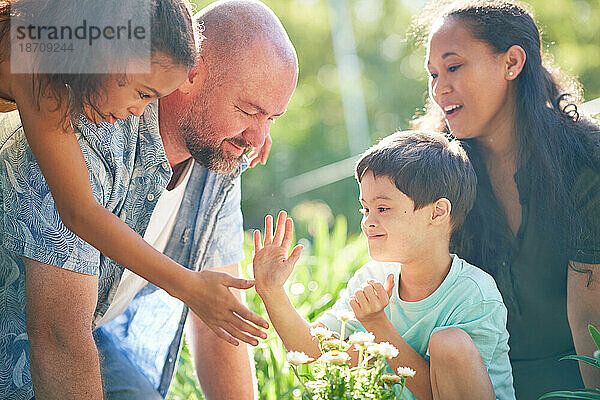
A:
(467, 299)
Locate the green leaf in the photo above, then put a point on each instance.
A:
(588, 360)
(578, 394)
(595, 335)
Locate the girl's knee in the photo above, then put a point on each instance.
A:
(452, 344)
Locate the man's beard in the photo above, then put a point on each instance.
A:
(198, 135)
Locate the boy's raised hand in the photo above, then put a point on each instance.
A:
(271, 264)
(369, 302)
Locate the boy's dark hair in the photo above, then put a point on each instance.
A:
(425, 166)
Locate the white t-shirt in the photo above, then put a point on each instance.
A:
(157, 234)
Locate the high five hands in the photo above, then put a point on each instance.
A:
(272, 265)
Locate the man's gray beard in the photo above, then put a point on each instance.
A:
(206, 152)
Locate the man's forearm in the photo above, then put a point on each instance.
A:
(65, 370)
(224, 371)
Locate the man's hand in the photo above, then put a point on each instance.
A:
(272, 267)
(369, 302)
(213, 302)
(261, 154)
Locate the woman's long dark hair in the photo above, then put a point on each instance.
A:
(174, 34)
(551, 137)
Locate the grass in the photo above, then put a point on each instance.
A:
(329, 259)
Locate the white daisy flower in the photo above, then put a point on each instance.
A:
(391, 379)
(383, 349)
(406, 371)
(361, 338)
(345, 315)
(297, 358)
(388, 350)
(311, 386)
(335, 357)
(331, 344)
(321, 332)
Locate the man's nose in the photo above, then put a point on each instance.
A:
(257, 133)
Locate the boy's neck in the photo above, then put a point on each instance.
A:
(421, 277)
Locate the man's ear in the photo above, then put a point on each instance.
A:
(196, 78)
(441, 211)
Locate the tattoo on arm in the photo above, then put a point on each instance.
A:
(586, 271)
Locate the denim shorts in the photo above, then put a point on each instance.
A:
(120, 378)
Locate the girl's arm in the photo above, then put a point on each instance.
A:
(60, 159)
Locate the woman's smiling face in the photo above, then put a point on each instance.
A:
(467, 80)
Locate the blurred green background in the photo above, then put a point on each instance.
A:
(392, 84)
(313, 133)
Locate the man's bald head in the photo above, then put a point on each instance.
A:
(242, 84)
(234, 28)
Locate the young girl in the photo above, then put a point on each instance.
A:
(534, 225)
(46, 103)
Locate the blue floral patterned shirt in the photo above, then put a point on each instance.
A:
(128, 172)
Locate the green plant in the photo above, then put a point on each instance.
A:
(331, 376)
(185, 385)
(588, 393)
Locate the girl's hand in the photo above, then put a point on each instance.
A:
(369, 302)
(213, 302)
(272, 267)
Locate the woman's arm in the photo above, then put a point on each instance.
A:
(583, 309)
(60, 159)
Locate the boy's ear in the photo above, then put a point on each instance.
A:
(196, 78)
(441, 211)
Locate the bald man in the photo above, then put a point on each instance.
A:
(113, 332)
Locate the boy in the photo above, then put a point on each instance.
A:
(445, 316)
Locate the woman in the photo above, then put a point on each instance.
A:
(534, 225)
